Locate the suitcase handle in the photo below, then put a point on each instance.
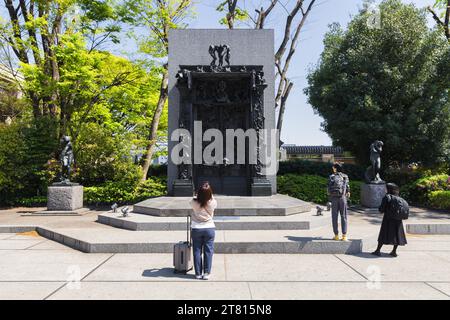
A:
(188, 229)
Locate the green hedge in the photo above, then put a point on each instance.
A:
(37, 201)
(121, 193)
(440, 199)
(312, 188)
(425, 191)
(111, 192)
(323, 169)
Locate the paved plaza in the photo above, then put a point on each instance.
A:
(34, 267)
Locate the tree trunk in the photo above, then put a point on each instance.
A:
(283, 105)
(163, 93)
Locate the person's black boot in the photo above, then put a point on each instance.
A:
(394, 252)
(377, 253)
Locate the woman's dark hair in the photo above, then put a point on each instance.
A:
(204, 194)
(393, 189)
(337, 166)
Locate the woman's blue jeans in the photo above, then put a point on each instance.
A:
(203, 240)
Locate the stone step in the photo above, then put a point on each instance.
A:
(142, 222)
(276, 205)
(428, 228)
(227, 241)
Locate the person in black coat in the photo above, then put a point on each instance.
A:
(391, 231)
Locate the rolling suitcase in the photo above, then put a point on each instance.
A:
(182, 257)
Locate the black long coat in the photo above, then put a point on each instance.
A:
(391, 231)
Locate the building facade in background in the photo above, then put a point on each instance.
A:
(315, 153)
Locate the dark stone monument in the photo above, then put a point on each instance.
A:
(205, 86)
(373, 191)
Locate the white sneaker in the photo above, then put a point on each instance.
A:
(206, 276)
(199, 277)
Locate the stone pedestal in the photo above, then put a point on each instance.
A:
(64, 199)
(182, 188)
(372, 194)
(260, 187)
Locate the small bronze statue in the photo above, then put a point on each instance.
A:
(67, 159)
(373, 171)
(221, 53)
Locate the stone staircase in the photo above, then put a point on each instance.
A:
(287, 233)
(299, 233)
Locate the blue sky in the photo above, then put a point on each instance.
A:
(301, 125)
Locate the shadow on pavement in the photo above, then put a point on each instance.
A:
(166, 273)
(368, 255)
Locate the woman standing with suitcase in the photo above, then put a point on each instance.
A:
(203, 230)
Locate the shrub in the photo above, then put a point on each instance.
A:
(107, 193)
(323, 169)
(25, 148)
(419, 191)
(312, 188)
(101, 156)
(440, 199)
(37, 201)
(152, 187)
(402, 176)
(124, 193)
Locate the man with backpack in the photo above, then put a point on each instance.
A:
(338, 192)
(395, 209)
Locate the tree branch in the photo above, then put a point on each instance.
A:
(262, 15)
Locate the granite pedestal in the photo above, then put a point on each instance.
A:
(64, 199)
(372, 194)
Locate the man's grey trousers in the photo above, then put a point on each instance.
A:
(339, 207)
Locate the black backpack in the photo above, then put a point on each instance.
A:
(337, 185)
(399, 208)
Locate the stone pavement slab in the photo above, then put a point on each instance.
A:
(6, 235)
(444, 287)
(18, 244)
(279, 267)
(149, 267)
(254, 267)
(408, 266)
(27, 290)
(420, 245)
(199, 290)
(46, 265)
(344, 291)
(50, 245)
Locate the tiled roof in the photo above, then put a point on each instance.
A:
(313, 150)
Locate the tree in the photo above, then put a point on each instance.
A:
(233, 13)
(443, 19)
(84, 79)
(157, 17)
(108, 131)
(34, 30)
(287, 47)
(388, 83)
